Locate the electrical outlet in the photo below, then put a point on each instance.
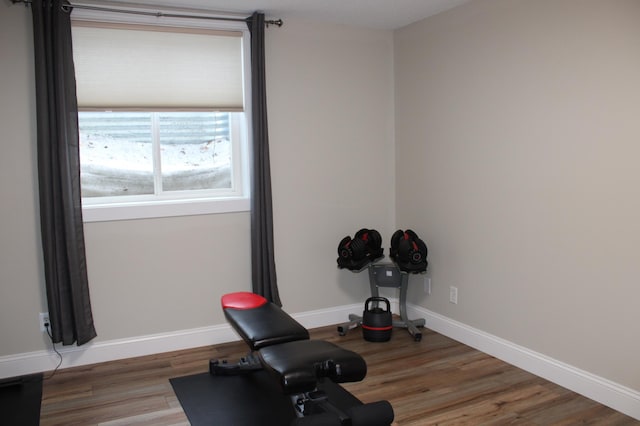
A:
(427, 285)
(453, 295)
(44, 321)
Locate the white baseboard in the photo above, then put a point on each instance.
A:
(111, 350)
(604, 391)
(95, 352)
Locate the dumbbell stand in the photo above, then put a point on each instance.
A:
(389, 276)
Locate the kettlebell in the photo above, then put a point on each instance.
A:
(377, 323)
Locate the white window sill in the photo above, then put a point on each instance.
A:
(147, 210)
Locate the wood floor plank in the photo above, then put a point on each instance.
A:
(169, 417)
(434, 381)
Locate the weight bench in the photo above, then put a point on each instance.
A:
(281, 346)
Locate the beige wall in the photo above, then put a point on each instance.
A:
(330, 92)
(21, 269)
(517, 147)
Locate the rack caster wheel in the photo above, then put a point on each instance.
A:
(417, 337)
(341, 331)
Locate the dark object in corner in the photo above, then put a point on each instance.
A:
(20, 399)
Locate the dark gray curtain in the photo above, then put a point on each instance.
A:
(263, 268)
(59, 176)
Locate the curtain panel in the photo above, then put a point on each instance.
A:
(263, 268)
(58, 155)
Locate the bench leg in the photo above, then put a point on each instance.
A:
(245, 365)
(314, 408)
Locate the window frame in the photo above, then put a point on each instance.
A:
(182, 203)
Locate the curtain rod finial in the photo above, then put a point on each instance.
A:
(277, 22)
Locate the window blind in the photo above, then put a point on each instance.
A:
(140, 67)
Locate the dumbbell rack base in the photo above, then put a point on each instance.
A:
(389, 276)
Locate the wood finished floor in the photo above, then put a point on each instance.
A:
(437, 381)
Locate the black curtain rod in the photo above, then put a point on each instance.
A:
(277, 22)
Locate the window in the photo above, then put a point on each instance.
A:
(162, 121)
(118, 151)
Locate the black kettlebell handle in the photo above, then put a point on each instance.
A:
(377, 299)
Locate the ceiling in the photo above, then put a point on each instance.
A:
(379, 14)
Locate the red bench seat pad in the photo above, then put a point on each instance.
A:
(242, 300)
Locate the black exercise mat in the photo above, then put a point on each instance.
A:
(251, 399)
(247, 400)
(20, 399)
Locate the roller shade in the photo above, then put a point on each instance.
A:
(140, 67)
